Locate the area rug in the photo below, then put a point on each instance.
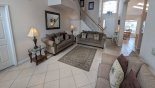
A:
(80, 57)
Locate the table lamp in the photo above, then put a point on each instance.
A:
(72, 27)
(34, 33)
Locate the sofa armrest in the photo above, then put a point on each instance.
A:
(78, 37)
(48, 42)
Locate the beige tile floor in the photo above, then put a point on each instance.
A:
(54, 74)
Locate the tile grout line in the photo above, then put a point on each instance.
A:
(59, 74)
(31, 77)
(45, 76)
(15, 79)
(74, 79)
(88, 78)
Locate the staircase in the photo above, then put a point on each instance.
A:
(90, 22)
(87, 23)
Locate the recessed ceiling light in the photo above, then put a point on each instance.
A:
(139, 7)
(142, 4)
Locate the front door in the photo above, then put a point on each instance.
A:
(5, 60)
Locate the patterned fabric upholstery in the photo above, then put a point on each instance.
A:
(116, 75)
(53, 47)
(103, 71)
(102, 83)
(134, 64)
(90, 39)
(108, 59)
(146, 78)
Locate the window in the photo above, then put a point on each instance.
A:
(131, 25)
(110, 6)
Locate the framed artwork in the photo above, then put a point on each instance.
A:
(52, 20)
(91, 6)
(82, 3)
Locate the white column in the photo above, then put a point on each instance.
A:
(123, 7)
(140, 32)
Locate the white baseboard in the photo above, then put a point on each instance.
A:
(23, 61)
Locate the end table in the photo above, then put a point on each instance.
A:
(36, 54)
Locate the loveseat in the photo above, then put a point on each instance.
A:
(144, 76)
(91, 38)
(57, 42)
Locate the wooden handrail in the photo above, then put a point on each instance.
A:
(99, 26)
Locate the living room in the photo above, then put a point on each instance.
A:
(56, 71)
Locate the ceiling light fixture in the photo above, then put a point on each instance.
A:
(139, 7)
(142, 4)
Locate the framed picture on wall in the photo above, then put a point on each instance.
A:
(82, 3)
(91, 6)
(52, 20)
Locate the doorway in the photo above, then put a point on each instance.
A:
(7, 49)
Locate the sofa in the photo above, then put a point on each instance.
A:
(144, 76)
(57, 42)
(91, 38)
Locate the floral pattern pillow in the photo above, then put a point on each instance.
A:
(116, 75)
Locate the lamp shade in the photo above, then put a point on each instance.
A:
(72, 27)
(33, 32)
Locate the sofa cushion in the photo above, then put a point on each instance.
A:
(108, 59)
(130, 81)
(57, 40)
(84, 35)
(123, 62)
(63, 43)
(102, 83)
(90, 35)
(88, 40)
(146, 78)
(116, 75)
(103, 71)
(51, 36)
(135, 64)
(66, 36)
(96, 37)
(61, 38)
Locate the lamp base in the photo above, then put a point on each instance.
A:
(35, 42)
(35, 47)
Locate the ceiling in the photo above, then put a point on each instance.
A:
(134, 11)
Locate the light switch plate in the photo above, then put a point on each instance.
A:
(153, 51)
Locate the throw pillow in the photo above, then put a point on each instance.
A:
(130, 81)
(61, 38)
(57, 40)
(123, 62)
(90, 35)
(84, 35)
(135, 65)
(66, 36)
(50, 43)
(96, 36)
(116, 75)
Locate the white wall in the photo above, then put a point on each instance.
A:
(25, 14)
(84, 27)
(148, 41)
(70, 15)
(54, 2)
(95, 12)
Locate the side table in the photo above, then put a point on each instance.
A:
(36, 54)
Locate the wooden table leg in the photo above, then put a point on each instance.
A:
(30, 55)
